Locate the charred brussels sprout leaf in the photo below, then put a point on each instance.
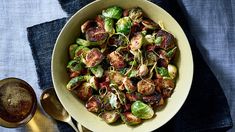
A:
(74, 82)
(110, 116)
(130, 119)
(149, 24)
(141, 110)
(171, 53)
(108, 25)
(72, 49)
(73, 65)
(136, 42)
(97, 71)
(114, 12)
(162, 71)
(123, 25)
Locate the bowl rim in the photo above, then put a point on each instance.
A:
(162, 10)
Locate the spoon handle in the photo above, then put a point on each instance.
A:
(72, 125)
(79, 127)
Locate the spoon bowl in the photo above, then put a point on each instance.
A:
(52, 106)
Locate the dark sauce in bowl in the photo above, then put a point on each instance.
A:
(17, 102)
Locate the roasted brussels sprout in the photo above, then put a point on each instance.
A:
(123, 25)
(136, 14)
(72, 49)
(152, 99)
(167, 40)
(84, 91)
(172, 70)
(136, 42)
(74, 82)
(150, 38)
(129, 85)
(149, 24)
(116, 60)
(94, 104)
(97, 35)
(108, 25)
(146, 87)
(110, 116)
(93, 57)
(151, 58)
(143, 70)
(133, 96)
(88, 24)
(141, 110)
(116, 77)
(98, 71)
(81, 50)
(117, 40)
(100, 21)
(129, 119)
(114, 12)
(73, 66)
(168, 87)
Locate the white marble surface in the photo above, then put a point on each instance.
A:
(16, 59)
(15, 54)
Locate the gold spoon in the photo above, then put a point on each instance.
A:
(54, 108)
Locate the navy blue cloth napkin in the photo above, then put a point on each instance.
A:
(206, 108)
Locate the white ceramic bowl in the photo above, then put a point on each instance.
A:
(71, 31)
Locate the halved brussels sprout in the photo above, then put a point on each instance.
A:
(129, 119)
(146, 87)
(141, 110)
(152, 99)
(108, 25)
(123, 25)
(136, 42)
(149, 24)
(129, 85)
(93, 57)
(149, 38)
(118, 40)
(94, 104)
(167, 87)
(116, 60)
(74, 65)
(110, 116)
(136, 14)
(172, 70)
(133, 96)
(114, 12)
(81, 50)
(88, 24)
(72, 49)
(151, 58)
(74, 82)
(116, 77)
(143, 70)
(84, 91)
(167, 40)
(96, 34)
